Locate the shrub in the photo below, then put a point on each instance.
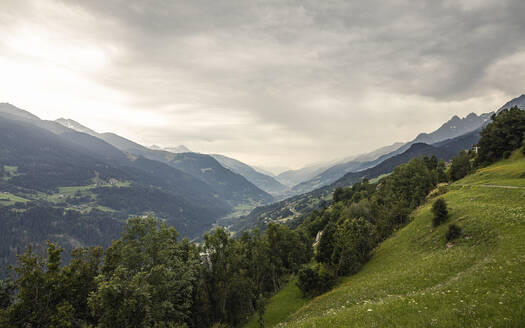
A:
(307, 280)
(460, 166)
(440, 211)
(353, 241)
(315, 281)
(507, 154)
(453, 232)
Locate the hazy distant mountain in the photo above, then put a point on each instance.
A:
(376, 153)
(452, 128)
(78, 190)
(351, 164)
(271, 170)
(265, 171)
(446, 144)
(297, 206)
(294, 177)
(263, 181)
(327, 176)
(6, 108)
(73, 125)
(519, 101)
(178, 149)
(230, 186)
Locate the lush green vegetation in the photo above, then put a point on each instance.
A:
(295, 210)
(416, 279)
(425, 276)
(148, 278)
(503, 135)
(506, 172)
(288, 300)
(78, 190)
(10, 199)
(434, 274)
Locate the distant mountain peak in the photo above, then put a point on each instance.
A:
(518, 101)
(178, 149)
(7, 108)
(472, 116)
(74, 125)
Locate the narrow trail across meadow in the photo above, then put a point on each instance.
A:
(491, 186)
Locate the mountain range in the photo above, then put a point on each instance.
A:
(453, 136)
(233, 187)
(261, 180)
(60, 180)
(212, 169)
(454, 127)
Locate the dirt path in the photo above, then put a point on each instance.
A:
(492, 186)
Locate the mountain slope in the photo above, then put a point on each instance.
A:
(78, 190)
(8, 109)
(235, 188)
(415, 150)
(262, 181)
(45, 161)
(294, 177)
(476, 281)
(232, 187)
(518, 101)
(178, 149)
(453, 128)
(294, 208)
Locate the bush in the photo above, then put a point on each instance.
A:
(460, 166)
(453, 232)
(507, 154)
(440, 211)
(315, 281)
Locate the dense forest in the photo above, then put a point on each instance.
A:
(150, 278)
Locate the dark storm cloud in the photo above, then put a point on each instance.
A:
(336, 76)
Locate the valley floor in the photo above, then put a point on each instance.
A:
(417, 279)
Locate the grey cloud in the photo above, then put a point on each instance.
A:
(302, 70)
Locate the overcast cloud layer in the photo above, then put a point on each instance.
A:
(268, 82)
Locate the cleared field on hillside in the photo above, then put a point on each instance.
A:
(7, 199)
(416, 279)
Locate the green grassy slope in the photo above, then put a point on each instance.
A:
(416, 279)
(287, 301)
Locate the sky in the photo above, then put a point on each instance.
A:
(271, 83)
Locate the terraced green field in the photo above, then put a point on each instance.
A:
(417, 279)
(62, 196)
(7, 199)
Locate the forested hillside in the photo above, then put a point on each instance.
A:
(263, 181)
(79, 190)
(294, 209)
(474, 277)
(231, 187)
